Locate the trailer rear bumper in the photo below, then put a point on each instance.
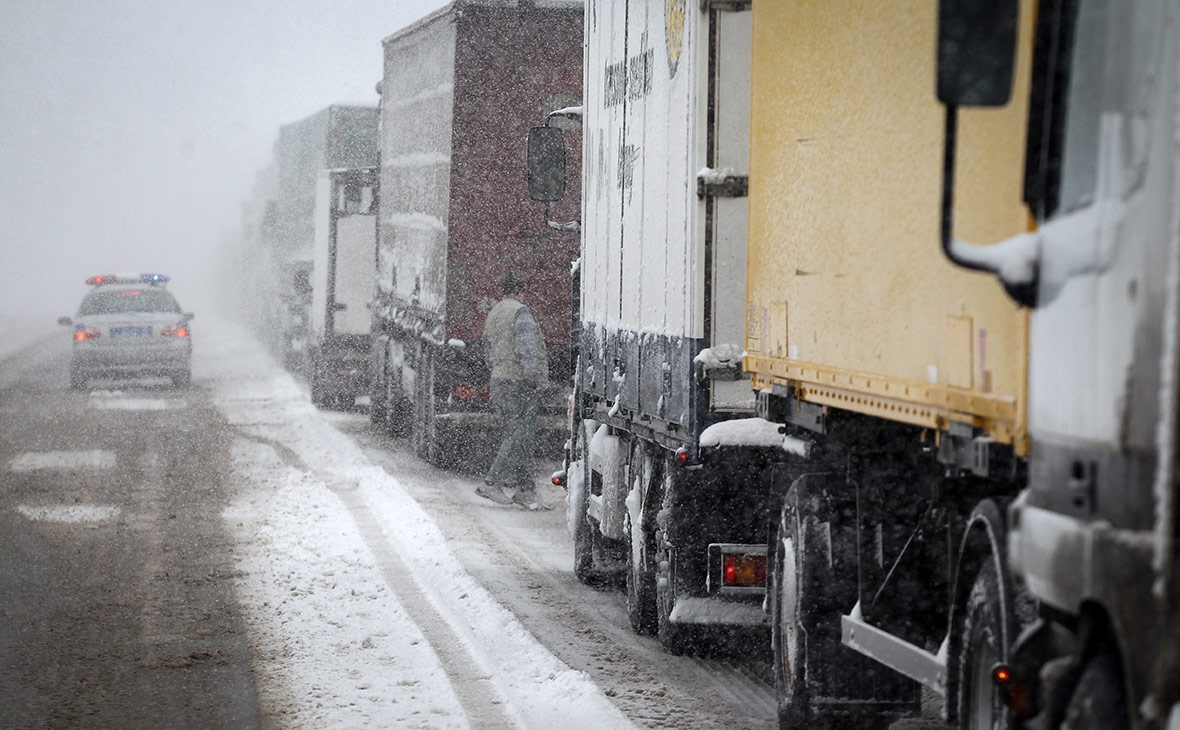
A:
(719, 611)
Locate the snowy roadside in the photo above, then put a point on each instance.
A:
(357, 626)
(18, 331)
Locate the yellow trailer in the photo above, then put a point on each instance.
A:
(848, 304)
(899, 377)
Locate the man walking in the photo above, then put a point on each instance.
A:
(519, 364)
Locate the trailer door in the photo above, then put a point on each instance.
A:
(728, 156)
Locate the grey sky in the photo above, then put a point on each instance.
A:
(132, 130)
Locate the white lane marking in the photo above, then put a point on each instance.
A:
(115, 401)
(69, 513)
(63, 460)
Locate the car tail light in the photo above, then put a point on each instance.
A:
(743, 571)
(181, 331)
(83, 335)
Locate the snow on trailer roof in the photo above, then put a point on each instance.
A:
(460, 4)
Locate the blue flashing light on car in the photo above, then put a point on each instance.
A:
(153, 279)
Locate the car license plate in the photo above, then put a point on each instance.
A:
(130, 331)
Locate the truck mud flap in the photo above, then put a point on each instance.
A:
(815, 584)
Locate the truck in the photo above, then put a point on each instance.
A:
(338, 136)
(459, 91)
(665, 448)
(962, 301)
(342, 285)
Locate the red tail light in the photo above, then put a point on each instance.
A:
(83, 335)
(175, 332)
(468, 392)
(743, 570)
(1016, 694)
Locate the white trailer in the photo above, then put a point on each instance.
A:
(663, 440)
(342, 285)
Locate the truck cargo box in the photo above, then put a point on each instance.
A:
(460, 90)
(664, 234)
(850, 301)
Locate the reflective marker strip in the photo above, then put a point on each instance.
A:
(61, 460)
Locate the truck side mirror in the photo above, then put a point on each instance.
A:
(64, 320)
(976, 51)
(546, 164)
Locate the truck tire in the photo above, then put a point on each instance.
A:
(676, 638)
(424, 434)
(980, 704)
(641, 569)
(319, 398)
(1099, 701)
(378, 396)
(810, 591)
(587, 541)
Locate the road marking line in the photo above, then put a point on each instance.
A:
(112, 402)
(63, 460)
(71, 513)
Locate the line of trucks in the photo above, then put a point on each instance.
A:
(869, 345)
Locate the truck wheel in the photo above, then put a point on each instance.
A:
(641, 571)
(424, 428)
(586, 538)
(77, 379)
(791, 620)
(980, 705)
(676, 638)
(319, 399)
(182, 378)
(378, 400)
(810, 590)
(1098, 701)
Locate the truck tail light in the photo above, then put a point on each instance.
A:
(737, 569)
(180, 331)
(1016, 694)
(743, 571)
(83, 335)
(463, 391)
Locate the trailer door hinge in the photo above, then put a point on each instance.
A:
(722, 185)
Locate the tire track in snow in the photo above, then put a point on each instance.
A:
(483, 706)
(584, 627)
(469, 678)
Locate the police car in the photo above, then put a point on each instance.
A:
(130, 326)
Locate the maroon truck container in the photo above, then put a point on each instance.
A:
(460, 90)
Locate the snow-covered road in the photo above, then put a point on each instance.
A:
(362, 574)
(359, 613)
